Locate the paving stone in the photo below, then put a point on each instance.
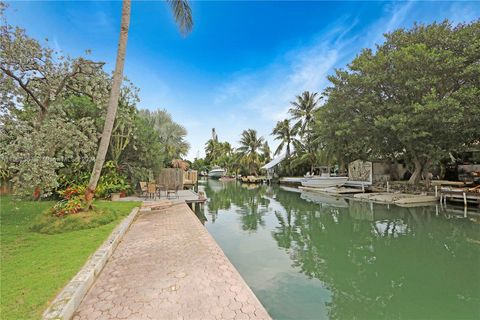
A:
(168, 266)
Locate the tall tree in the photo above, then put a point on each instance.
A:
(415, 98)
(213, 150)
(182, 14)
(266, 152)
(36, 75)
(170, 134)
(303, 110)
(286, 134)
(250, 147)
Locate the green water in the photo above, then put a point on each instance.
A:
(308, 256)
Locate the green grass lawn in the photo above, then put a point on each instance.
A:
(35, 267)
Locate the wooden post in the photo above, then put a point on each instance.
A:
(363, 188)
(465, 199)
(436, 191)
(388, 187)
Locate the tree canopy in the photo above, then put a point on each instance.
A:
(53, 108)
(416, 97)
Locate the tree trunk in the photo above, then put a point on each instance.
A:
(417, 174)
(112, 104)
(426, 173)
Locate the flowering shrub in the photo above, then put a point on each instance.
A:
(71, 203)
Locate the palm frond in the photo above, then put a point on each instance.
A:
(182, 14)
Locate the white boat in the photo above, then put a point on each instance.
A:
(216, 173)
(324, 180)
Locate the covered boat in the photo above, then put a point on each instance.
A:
(324, 180)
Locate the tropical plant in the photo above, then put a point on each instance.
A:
(266, 152)
(170, 134)
(199, 164)
(249, 150)
(303, 110)
(71, 202)
(112, 181)
(286, 134)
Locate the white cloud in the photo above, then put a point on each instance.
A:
(461, 12)
(260, 98)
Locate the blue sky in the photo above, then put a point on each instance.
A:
(244, 61)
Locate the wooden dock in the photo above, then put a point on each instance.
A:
(460, 195)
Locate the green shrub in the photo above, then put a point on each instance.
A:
(49, 223)
(111, 181)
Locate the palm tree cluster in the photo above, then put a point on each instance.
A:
(247, 159)
(249, 150)
(297, 135)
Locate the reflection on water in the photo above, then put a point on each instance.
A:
(309, 256)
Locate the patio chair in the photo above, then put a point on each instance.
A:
(152, 190)
(143, 189)
(161, 188)
(174, 192)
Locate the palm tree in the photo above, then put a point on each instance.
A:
(170, 134)
(286, 134)
(213, 150)
(250, 145)
(183, 16)
(303, 110)
(266, 152)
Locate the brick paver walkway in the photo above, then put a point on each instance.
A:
(169, 267)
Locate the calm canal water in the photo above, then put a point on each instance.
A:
(308, 256)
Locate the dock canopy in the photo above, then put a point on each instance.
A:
(275, 161)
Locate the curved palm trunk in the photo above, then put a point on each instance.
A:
(112, 104)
